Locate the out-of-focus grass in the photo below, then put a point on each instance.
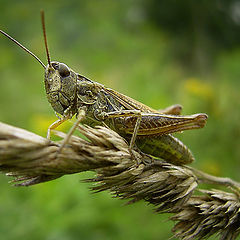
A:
(110, 42)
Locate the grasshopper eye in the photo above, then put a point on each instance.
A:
(63, 70)
(55, 66)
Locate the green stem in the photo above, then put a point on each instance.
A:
(207, 178)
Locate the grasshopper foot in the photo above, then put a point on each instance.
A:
(140, 157)
(135, 156)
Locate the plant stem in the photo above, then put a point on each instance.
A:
(207, 178)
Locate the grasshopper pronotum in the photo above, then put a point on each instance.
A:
(70, 93)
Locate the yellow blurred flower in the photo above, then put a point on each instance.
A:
(211, 167)
(198, 88)
(40, 123)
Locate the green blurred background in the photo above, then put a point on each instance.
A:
(158, 52)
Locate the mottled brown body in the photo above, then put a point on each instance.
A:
(69, 92)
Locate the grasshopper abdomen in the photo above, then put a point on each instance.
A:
(167, 147)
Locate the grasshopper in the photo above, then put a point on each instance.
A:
(70, 93)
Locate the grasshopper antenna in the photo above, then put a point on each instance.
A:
(45, 37)
(24, 48)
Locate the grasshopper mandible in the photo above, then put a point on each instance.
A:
(70, 93)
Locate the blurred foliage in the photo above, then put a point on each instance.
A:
(159, 52)
(197, 31)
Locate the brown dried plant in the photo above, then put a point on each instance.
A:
(31, 159)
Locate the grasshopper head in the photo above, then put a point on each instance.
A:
(60, 85)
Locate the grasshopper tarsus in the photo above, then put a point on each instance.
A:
(54, 125)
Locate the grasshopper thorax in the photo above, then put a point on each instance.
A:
(60, 85)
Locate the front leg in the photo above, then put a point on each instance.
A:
(67, 115)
